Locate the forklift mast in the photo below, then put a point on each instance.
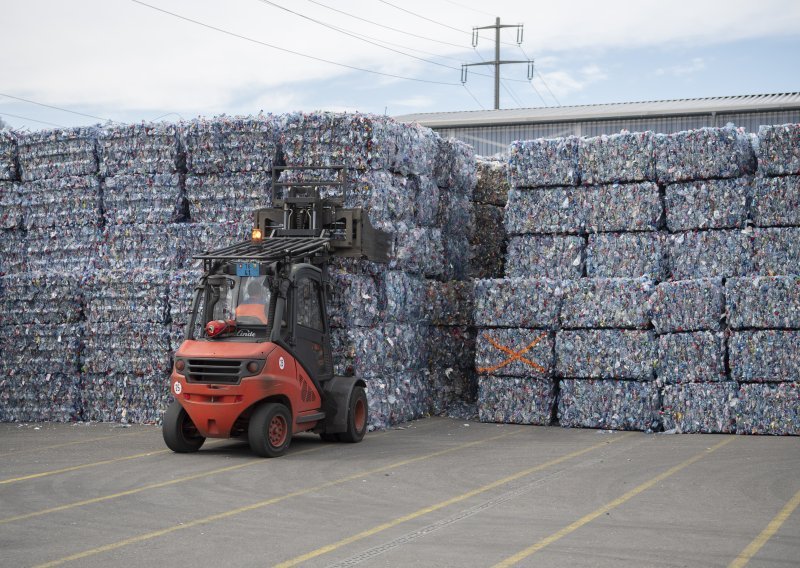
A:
(302, 225)
(291, 243)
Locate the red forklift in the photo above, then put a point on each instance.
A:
(257, 359)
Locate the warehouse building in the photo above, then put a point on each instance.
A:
(491, 131)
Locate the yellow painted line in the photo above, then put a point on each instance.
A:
(261, 504)
(82, 466)
(767, 533)
(453, 500)
(158, 485)
(94, 464)
(87, 441)
(139, 489)
(547, 541)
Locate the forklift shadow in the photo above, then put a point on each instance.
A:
(240, 448)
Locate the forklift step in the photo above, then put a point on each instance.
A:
(311, 417)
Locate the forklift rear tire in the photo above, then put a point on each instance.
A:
(270, 430)
(357, 414)
(180, 433)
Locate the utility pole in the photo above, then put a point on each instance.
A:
(497, 61)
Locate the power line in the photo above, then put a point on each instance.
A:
(469, 8)
(285, 50)
(438, 23)
(474, 98)
(56, 108)
(383, 41)
(512, 95)
(409, 48)
(167, 114)
(384, 26)
(33, 120)
(337, 28)
(350, 34)
(423, 17)
(548, 88)
(542, 78)
(535, 90)
(398, 30)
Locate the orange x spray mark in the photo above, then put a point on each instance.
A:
(513, 355)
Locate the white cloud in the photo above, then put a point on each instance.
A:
(117, 58)
(563, 83)
(593, 73)
(628, 23)
(696, 65)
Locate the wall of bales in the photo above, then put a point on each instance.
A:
(635, 281)
(651, 282)
(99, 226)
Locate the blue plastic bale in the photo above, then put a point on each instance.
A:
(626, 255)
(516, 400)
(606, 354)
(700, 408)
(609, 404)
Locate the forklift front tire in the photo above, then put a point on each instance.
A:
(179, 431)
(270, 430)
(357, 413)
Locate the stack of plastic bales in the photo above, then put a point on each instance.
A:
(385, 339)
(708, 186)
(452, 377)
(605, 355)
(180, 295)
(51, 220)
(58, 153)
(456, 177)
(763, 309)
(488, 234)
(8, 156)
(143, 197)
(516, 319)
(141, 165)
(10, 203)
(127, 348)
(42, 346)
(676, 270)
(448, 302)
(60, 200)
(229, 160)
(415, 187)
(583, 215)
(147, 241)
(697, 394)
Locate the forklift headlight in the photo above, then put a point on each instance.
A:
(180, 365)
(256, 235)
(254, 367)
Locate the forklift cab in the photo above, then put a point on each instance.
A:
(296, 297)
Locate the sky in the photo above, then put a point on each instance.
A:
(148, 60)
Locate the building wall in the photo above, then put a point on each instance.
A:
(492, 140)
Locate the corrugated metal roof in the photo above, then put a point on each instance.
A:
(742, 103)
